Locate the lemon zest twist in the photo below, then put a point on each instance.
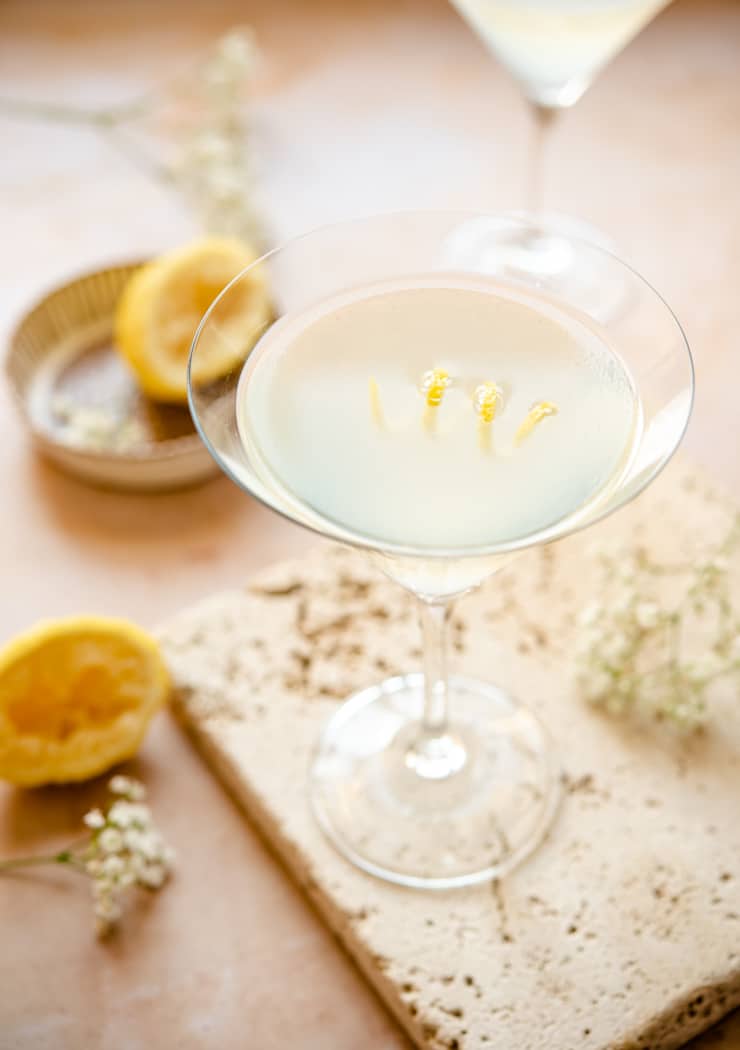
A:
(434, 384)
(376, 408)
(486, 398)
(541, 410)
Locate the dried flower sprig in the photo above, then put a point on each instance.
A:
(104, 427)
(638, 653)
(125, 849)
(202, 143)
(214, 169)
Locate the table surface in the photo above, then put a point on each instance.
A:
(362, 107)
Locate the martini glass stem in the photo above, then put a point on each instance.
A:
(435, 752)
(542, 120)
(435, 618)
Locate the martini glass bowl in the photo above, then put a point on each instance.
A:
(427, 780)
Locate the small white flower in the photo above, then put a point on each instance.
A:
(94, 819)
(703, 667)
(124, 814)
(238, 49)
(681, 712)
(102, 887)
(132, 838)
(150, 846)
(107, 908)
(106, 899)
(224, 184)
(119, 814)
(128, 787)
(126, 878)
(627, 574)
(136, 864)
(113, 866)
(614, 647)
(590, 614)
(624, 687)
(211, 148)
(624, 602)
(110, 840)
(140, 814)
(647, 615)
(152, 876)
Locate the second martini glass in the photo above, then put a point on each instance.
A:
(408, 401)
(555, 49)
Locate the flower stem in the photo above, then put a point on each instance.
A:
(137, 156)
(65, 856)
(26, 862)
(26, 109)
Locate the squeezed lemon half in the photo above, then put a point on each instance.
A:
(163, 303)
(76, 696)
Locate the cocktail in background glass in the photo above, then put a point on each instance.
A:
(555, 49)
(413, 400)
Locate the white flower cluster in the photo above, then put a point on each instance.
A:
(204, 136)
(214, 168)
(637, 653)
(103, 427)
(126, 849)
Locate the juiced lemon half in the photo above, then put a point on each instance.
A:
(164, 301)
(76, 696)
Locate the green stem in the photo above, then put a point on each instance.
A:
(106, 121)
(24, 109)
(65, 856)
(137, 156)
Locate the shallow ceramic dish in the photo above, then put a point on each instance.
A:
(81, 403)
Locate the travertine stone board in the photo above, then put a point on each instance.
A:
(624, 929)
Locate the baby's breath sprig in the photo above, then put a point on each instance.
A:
(124, 849)
(640, 653)
(214, 165)
(196, 123)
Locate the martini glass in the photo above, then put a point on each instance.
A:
(395, 405)
(555, 49)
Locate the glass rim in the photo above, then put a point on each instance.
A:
(330, 529)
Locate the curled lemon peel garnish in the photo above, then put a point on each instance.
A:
(433, 385)
(376, 409)
(486, 398)
(541, 410)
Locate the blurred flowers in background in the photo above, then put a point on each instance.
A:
(659, 655)
(192, 134)
(213, 166)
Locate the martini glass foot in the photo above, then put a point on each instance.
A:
(462, 807)
(555, 250)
